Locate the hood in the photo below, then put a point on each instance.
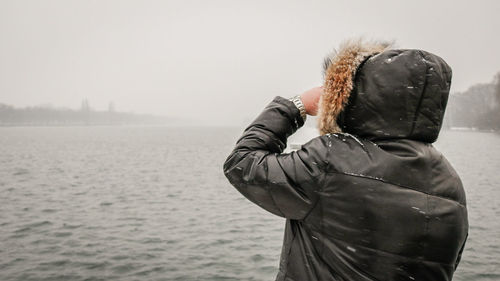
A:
(377, 93)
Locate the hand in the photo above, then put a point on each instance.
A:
(310, 99)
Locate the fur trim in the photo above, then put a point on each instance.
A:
(339, 69)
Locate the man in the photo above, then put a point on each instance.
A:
(371, 198)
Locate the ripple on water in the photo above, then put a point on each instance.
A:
(53, 264)
(120, 257)
(257, 258)
(154, 270)
(151, 240)
(93, 265)
(71, 226)
(20, 172)
(32, 226)
(62, 234)
(126, 268)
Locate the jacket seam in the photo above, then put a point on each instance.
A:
(312, 208)
(396, 184)
(289, 252)
(318, 199)
(393, 254)
(415, 116)
(274, 202)
(426, 232)
(281, 183)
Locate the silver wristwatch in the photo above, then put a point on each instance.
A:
(300, 106)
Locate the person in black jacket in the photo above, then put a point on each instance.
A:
(370, 198)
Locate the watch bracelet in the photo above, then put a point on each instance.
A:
(300, 106)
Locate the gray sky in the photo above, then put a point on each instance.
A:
(219, 61)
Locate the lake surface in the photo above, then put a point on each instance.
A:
(152, 203)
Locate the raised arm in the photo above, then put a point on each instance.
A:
(283, 184)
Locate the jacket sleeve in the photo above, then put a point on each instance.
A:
(459, 257)
(283, 184)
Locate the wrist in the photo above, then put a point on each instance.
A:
(297, 101)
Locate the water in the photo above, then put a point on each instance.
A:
(476, 157)
(151, 203)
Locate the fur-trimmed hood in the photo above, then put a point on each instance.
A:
(376, 92)
(339, 70)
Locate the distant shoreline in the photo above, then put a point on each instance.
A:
(467, 129)
(181, 124)
(169, 125)
(91, 125)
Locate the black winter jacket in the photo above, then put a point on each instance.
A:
(377, 203)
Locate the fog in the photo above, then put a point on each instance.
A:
(103, 176)
(218, 62)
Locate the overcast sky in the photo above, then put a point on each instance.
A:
(218, 61)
